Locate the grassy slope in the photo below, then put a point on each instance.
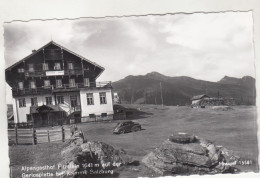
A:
(235, 130)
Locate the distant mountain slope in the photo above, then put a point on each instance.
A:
(179, 90)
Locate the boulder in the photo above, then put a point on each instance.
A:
(91, 159)
(189, 154)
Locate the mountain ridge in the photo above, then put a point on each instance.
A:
(178, 90)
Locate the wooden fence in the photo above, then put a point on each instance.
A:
(36, 136)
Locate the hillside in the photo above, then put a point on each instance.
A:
(179, 90)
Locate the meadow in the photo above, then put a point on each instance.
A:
(234, 129)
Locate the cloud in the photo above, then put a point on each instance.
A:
(203, 46)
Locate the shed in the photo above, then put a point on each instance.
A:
(198, 98)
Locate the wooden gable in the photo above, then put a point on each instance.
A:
(50, 53)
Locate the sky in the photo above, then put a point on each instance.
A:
(202, 46)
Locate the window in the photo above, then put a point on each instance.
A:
(102, 97)
(90, 99)
(34, 101)
(73, 101)
(32, 84)
(47, 83)
(72, 82)
(22, 102)
(58, 83)
(86, 82)
(31, 68)
(48, 100)
(60, 99)
(103, 114)
(70, 66)
(57, 66)
(20, 85)
(92, 115)
(45, 66)
(21, 70)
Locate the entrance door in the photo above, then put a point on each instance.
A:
(45, 119)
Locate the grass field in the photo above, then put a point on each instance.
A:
(234, 129)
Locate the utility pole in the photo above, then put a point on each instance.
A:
(161, 93)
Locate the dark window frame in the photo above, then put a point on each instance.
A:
(92, 115)
(73, 100)
(103, 97)
(48, 100)
(20, 70)
(22, 102)
(34, 101)
(30, 84)
(103, 114)
(70, 66)
(86, 82)
(21, 88)
(58, 86)
(31, 67)
(72, 84)
(55, 66)
(45, 83)
(45, 66)
(60, 99)
(90, 99)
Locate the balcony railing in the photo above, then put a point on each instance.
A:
(42, 73)
(64, 87)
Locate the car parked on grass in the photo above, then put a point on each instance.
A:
(127, 126)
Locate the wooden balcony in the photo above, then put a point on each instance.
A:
(43, 73)
(62, 88)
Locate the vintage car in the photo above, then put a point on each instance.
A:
(127, 126)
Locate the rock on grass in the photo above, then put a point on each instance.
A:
(188, 154)
(91, 159)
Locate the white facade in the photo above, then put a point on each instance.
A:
(24, 110)
(195, 101)
(97, 107)
(67, 103)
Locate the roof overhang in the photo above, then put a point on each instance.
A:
(52, 42)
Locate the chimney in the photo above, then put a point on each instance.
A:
(34, 50)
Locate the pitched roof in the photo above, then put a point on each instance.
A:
(44, 108)
(199, 97)
(52, 42)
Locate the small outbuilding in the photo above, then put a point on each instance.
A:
(198, 98)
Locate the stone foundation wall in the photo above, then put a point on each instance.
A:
(96, 118)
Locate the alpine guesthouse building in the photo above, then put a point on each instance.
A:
(54, 85)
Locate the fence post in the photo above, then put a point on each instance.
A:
(16, 135)
(34, 136)
(82, 133)
(63, 134)
(48, 135)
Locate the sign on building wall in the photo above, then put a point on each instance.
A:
(52, 73)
